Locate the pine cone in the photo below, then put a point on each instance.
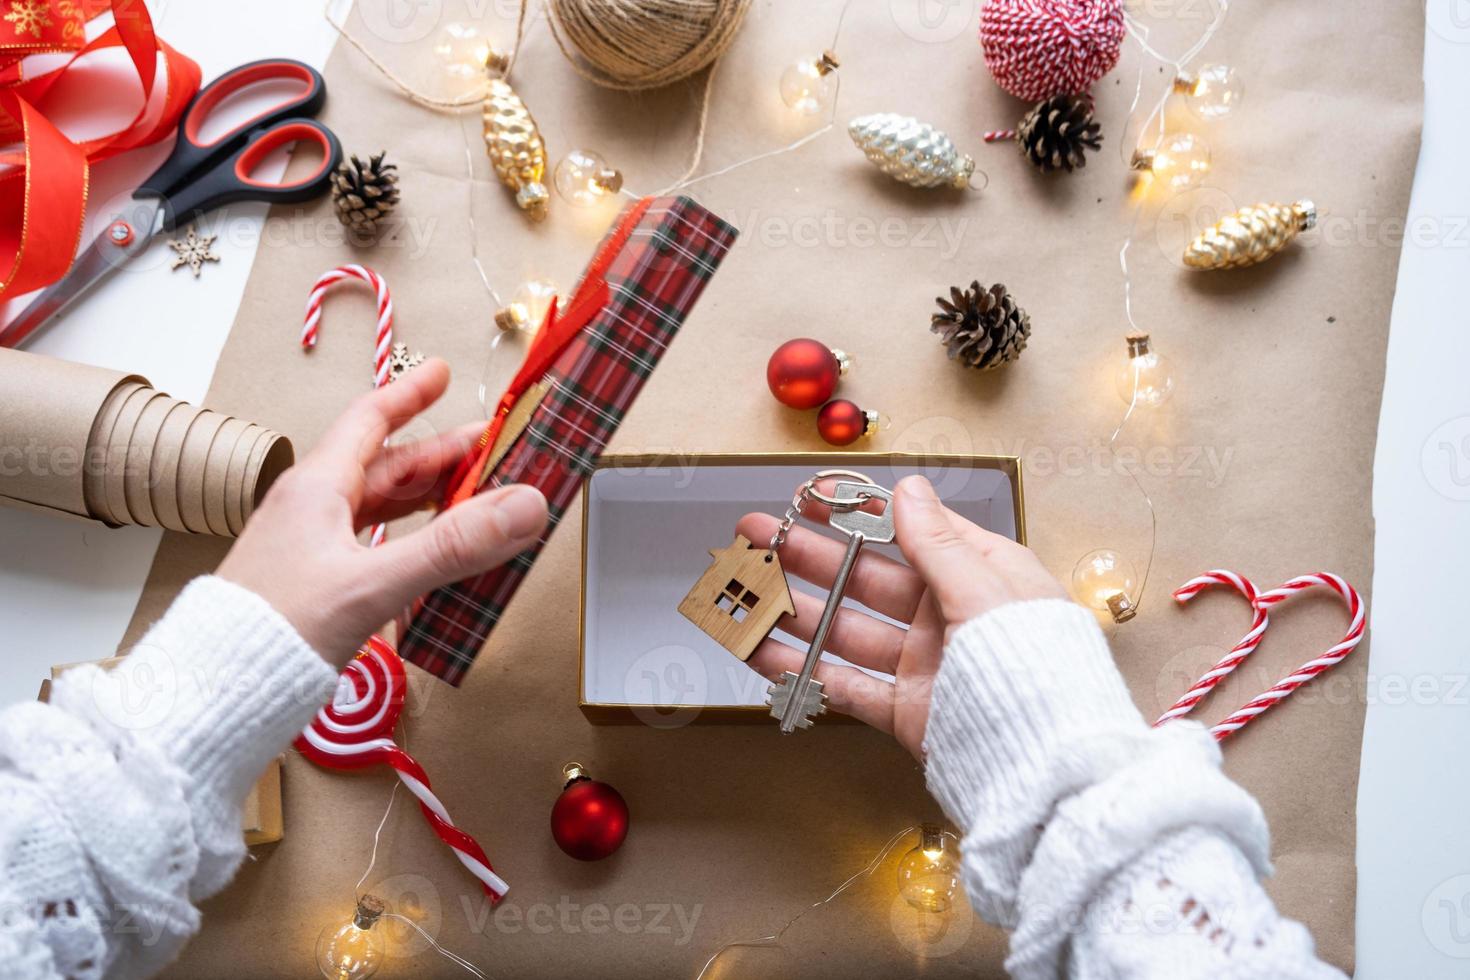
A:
(1055, 133)
(983, 328)
(364, 195)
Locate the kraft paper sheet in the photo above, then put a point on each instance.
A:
(1262, 463)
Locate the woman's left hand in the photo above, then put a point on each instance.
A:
(300, 550)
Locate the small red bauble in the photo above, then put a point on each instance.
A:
(803, 373)
(842, 423)
(590, 819)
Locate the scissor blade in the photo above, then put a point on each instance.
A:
(95, 262)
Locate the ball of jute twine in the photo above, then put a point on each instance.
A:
(643, 44)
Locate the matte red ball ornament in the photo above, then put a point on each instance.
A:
(842, 422)
(803, 373)
(590, 819)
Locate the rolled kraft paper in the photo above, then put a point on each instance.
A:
(117, 453)
(193, 466)
(163, 466)
(279, 457)
(235, 477)
(94, 483)
(216, 471)
(51, 408)
(138, 475)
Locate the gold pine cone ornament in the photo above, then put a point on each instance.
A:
(513, 141)
(1250, 235)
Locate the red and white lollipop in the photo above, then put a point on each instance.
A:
(356, 730)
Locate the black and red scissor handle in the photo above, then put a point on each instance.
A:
(200, 176)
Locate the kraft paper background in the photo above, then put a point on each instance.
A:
(1260, 463)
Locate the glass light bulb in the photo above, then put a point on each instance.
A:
(807, 86)
(1145, 379)
(355, 949)
(583, 178)
(1181, 161)
(527, 306)
(1211, 92)
(929, 875)
(462, 49)
(1105, 581)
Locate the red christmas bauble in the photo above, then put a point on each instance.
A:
(590, 819)
(803, 373)
(841, 422)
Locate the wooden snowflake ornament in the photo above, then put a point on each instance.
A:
(193, 251)
(400, 362)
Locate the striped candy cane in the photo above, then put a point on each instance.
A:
(356, 730)
(385, 314)
(1237, 654)
(1336, 654)
(312, 326)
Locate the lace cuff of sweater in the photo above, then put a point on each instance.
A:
(215, 689)
(1036, 751)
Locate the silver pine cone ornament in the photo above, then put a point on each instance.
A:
(981, 327)
(1056, 134)
(1249, 235)
(911, 151)
(364, 193)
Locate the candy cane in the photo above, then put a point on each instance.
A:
(311, 327)
(356, 730)
(1237, 654)
(1334, 655)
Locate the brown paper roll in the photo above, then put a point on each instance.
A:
(216, 471)
(193, 465)
(51, 409)
(106, 446)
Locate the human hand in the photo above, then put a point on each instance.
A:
(956, 571)
(300, 551)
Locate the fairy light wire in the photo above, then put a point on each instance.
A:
(774, 939)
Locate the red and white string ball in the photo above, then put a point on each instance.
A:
(356, 730)
(1036, 49)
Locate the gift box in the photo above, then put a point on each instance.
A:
(589, 361)
(649, 524)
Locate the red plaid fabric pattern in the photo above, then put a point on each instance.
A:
(653, 282)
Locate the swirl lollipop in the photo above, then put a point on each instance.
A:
(356, 730)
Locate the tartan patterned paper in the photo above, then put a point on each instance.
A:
(653, 283)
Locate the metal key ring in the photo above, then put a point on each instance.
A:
(833, 502)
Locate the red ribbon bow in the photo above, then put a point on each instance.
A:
(43, 189)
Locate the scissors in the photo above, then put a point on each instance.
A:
(199, 176)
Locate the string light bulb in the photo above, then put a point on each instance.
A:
(807, 86)
(1106, 582)
(1146, 378)
(929, 875)
(462, 49)
(1210, 93)
(527, 307)
(353, 950)
(584, 179)
(1180, 161)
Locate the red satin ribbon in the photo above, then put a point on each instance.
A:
(552, 338)
(43, 194)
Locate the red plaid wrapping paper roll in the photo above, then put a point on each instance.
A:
(653, 281)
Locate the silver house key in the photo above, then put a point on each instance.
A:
(797, 698)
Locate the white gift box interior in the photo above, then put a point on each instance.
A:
(648, 526)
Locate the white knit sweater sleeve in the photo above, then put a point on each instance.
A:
(1110, 849)
(120, 799)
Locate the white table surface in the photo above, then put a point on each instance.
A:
(67, 590)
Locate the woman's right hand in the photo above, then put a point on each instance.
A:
(956, 571)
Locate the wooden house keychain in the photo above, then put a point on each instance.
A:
(739, 598)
